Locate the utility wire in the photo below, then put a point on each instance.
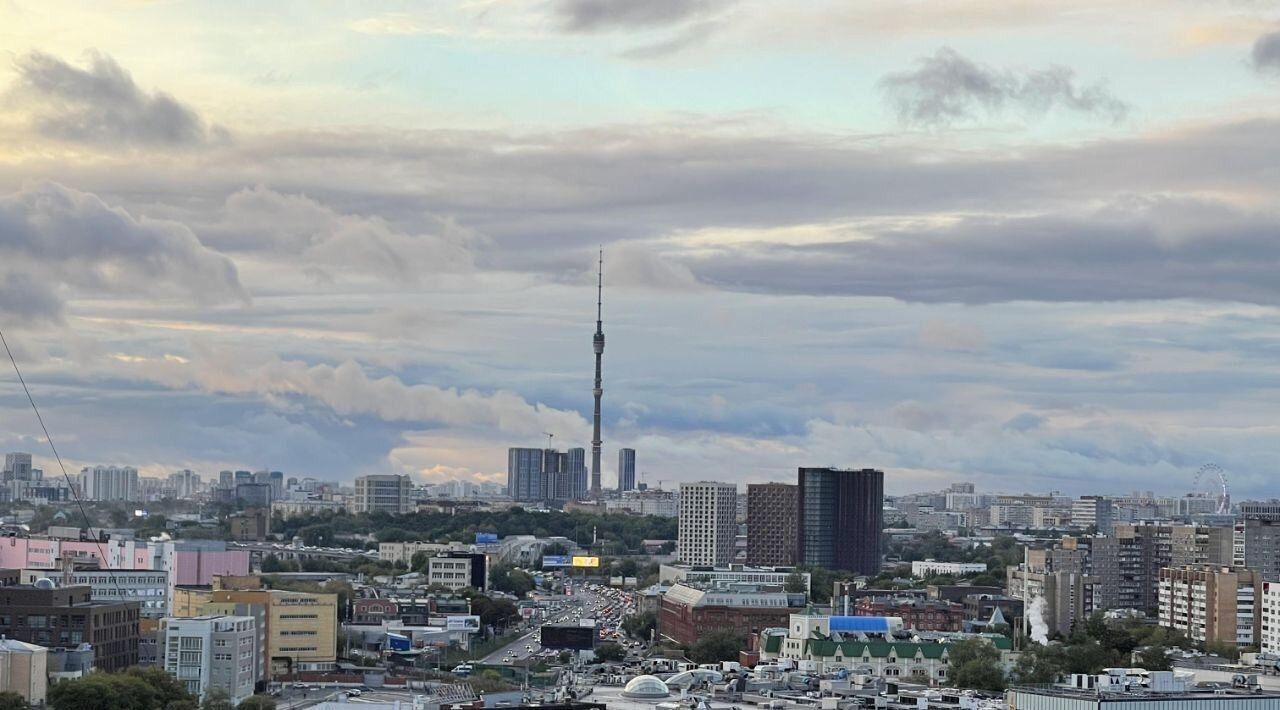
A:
(70, 486)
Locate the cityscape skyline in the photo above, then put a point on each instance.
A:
(821, 252)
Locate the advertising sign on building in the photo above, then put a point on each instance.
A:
(469, 624)
(584, 561)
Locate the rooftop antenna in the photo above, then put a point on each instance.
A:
(549, 436)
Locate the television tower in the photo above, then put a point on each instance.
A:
(598, 344)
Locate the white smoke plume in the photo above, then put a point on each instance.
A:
(1035, 618)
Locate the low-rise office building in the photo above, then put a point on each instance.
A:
(458, 570)
(1129, 688)
(732, 574)
(916, 614)
(933, 568)
(24, 669)
(51, 616)
(150, 588)
(686, 612)
(212, 652)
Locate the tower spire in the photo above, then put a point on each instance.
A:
(598, 345)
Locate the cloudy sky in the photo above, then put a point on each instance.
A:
(1033, 245)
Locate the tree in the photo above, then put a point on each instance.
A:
(555, 549)
(1039, 665)
(10, 700)
(1155, 658)
(506, 578)
(975, 663)
(171, 694)
(216, 699)
(104, 691)
(640, 626)
(716, 646)
(257, 702)
(609, 652)
(795, 583)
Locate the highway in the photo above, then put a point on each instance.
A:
(583, 604)
(527, 645)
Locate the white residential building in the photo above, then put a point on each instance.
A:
(933, 568)
(207, 652)
(665, 504)
(109, 483)
(708, 523)
(1269, 600)
(1094, 512)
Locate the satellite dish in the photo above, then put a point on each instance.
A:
(45, 583)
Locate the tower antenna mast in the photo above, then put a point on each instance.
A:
(597, 343)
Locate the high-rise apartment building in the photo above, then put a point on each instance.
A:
(109, 483)
(1262, 546)
(524, 474)
(840, 514)
(211, 652)
(1127, 563)
(1212, 604)
(186, 483)
(547, 474)
(1053, 584)
(1270, 603)
(1092, 512)
(707, 524)
(772, 524)
(626, 470)
(389, 493)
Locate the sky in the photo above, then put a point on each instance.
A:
(1030, 245)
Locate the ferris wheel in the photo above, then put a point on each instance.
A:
(1211, 482)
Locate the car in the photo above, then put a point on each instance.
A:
(353, 693)
(299, 685)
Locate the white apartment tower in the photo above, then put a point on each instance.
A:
(708, 523)
(207, 652)
(109, 483)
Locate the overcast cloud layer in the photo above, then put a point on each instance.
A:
(1000, 242)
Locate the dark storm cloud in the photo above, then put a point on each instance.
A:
(74, 240)
(1163, 249)
(604, 15)
(1266, 54)
(24, 299)
(102, 104)
(948, 87)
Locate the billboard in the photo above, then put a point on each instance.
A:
(571, 638)
(585, 561)
(556, 561)
(398, 642)
(470, 624)
(486, 538)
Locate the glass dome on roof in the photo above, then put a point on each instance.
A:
(645, 686)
